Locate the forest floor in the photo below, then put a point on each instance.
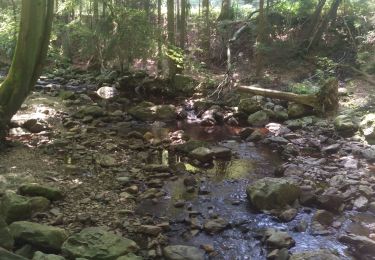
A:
(131, 178)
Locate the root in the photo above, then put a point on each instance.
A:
(225, 86)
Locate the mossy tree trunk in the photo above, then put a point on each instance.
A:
(30, 53)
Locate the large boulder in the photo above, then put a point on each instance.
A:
(345, 125)
(15, 207)
(322, 254)
(249, 106)
(367, 127)
(34, 189)
(297, 110)
(97, 244)
(40, 236)
(259, 118)
(6, 255)
(360, 246)
(147, 111)
(179, 252)
(184, 84)
(6, 239)
(41, 256)
(272, 193)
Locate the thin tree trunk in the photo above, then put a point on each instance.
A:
(324, 25)
(206, 31)
(171, 37)
(260, 41)
(312, 23)
(183, 24)
(160, 28)
(170, 18)
(30, 53)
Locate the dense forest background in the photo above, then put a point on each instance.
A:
(314, 38)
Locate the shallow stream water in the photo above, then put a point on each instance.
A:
(226, 182)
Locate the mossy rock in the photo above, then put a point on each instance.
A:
(34, 189)
(14, 207)
(97, 244)
(40, 236)
(272, 193)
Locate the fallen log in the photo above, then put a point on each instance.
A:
(323, 102)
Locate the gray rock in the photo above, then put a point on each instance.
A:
(272, 193)
(150, 230)
(278, 239)
(369, 153)
(215, 225)
(41, 256)
(96, 243)
(297, 110)
(323, 217)
(360, 245)
(322, 254)
(288, 215)
(345, 125)
(105, 160)
(40, 236)
(367, 127)
(190, 146)
(259, 118)
(34, 189)
(179, 252)
(360, 203)
(202, 154)
(249, 106)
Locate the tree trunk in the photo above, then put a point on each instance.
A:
(183, 24)
(226, 12)
(96, 12)
(324, 25)
(170, 18)
(172, 68)
(160, 34)
(311, 24)
(30, 53)
(260, 41)
(325, 101)
(206, 32)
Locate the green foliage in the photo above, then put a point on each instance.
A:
(303, 88)
(176, 54)
(8, 32)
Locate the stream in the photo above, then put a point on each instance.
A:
(222, 192)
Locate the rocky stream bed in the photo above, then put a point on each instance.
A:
(95, 174)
